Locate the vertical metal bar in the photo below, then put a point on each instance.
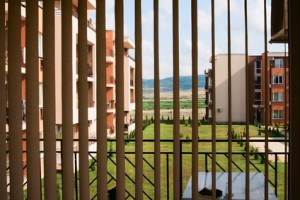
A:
(67, 101)
(180, 168)
(156, 103)
(32, 101)
(276, 175)
(101, 101)
(3, 104)
(294, 137)
(247, 180)
(229, 105)
(83, 101)
(214, 99)
(119, 17)
(14, 100)
(139, 102)
(194, 15)
(76, 175)
(266, 101)
(50, 179)
(206, 168)
(168, 181)
(176, 111)
(286, 124)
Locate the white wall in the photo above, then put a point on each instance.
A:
(238, 88)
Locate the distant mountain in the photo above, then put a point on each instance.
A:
(166, 84)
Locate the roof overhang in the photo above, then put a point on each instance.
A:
(279, 21)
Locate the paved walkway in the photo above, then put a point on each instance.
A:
(273, 146)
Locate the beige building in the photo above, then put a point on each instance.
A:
(91, 62)
(129, 84)
(238, 71)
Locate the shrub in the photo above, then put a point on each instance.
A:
(262, 159)
(181, 135)
(256, 155)
(186, 123)
(188, 137)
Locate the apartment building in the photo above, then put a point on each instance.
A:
(91, 62)
(129, 84)
(277, 67)
(23, 72)
(221, 81)
(278, 89)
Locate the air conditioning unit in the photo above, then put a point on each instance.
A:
(219, 110)
(271, 58)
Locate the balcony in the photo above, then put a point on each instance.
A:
(90, 69)
(131, 83)
(208, 87)
(111, 105)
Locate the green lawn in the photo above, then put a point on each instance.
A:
(166, 133)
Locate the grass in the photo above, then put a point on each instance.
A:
(204, 133)
(187, 104)
(166, 132)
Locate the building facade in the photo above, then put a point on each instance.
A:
(221, 81)
(277, 86)
(91, 63)
(129, 71)
(129, 84)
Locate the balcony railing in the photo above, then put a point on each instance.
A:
(111, 104)
(205, 159)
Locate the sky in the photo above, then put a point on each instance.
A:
(255, 32)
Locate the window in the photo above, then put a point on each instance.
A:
(209, 113)
(277, 114)
(209, 97)
(209, 82)
(278, 63)
(257, 80)
(277, 97)
(257, 96)
(276, 79)
(257, 67)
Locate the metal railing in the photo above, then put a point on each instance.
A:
(205, 158)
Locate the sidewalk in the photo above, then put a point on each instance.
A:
(273, 147)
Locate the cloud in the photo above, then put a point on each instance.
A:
(166, 6)
(147, 21)
(204, 21)
(256, 16)
(147, 47)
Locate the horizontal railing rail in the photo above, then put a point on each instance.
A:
(167, 156)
